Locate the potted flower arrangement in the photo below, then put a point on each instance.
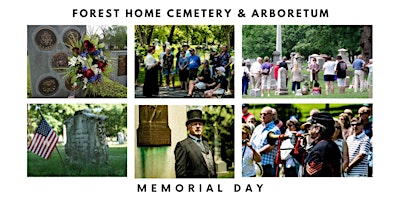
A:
(87, 65)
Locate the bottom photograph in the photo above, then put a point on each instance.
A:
(188, 141)
(77, 140)
(307, 140)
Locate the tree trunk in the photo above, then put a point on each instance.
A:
(366, 42)
(171, 34)
(150, 34)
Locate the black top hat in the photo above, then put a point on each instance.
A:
(194, 116)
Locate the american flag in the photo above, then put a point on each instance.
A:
(44, 141)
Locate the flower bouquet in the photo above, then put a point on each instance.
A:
(87, 65)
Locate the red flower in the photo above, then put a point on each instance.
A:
(88, 73)
(88, 46)
(80, 70)
(101, 65)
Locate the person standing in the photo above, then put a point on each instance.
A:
(225, 62)
(329, 74)
(245, 112)
(245, 78)
(193, 155)
(358, 66)
(314, 69)
(150, 86)
(359, 145)
(249, 154)
(194, 64)
(296, 77)
(160, 58)
(168, 68)
(183, 72)
(341, 69)
(266, 76)
(264, 145)
(255, 73)
(324, 158)
(284, 64)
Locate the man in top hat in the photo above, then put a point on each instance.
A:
(324, 158)
(193, 156)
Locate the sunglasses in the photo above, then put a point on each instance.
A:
(362, 113)
(358, 124)
(265, 114)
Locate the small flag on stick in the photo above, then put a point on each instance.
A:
(44, 141)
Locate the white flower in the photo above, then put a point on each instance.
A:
(79, 75)
(72, 61)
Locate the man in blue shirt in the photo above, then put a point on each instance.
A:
(264, 145)
(194, 63)
(358, 66)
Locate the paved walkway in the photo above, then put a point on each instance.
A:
(163, 93)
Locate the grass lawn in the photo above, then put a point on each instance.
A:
(38, 166)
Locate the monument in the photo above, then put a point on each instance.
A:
(282, 89)
(48, 58)
(86, 139)
(345, 58)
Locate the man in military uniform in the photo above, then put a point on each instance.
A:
(324, 158)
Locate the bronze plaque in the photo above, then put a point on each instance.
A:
(122, 65)
(45, 39)
(71, 36)
(153, 126)
(48, 86)
(59, 62)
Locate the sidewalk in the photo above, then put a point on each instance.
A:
(163, 93)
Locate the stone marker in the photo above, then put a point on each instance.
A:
(282, 74)
(86, 138)
(48, 58)
(153, 126)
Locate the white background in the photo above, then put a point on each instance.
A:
(16, 15)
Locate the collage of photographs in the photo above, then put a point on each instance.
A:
(305, 92)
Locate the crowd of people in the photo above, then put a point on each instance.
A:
(214, 77)
(260, 74)
(323, 146)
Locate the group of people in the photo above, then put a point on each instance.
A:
(215, 78)
(323, 146)
(262, 71)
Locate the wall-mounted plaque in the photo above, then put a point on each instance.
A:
(153, 126)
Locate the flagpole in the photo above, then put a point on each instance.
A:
(40, 112)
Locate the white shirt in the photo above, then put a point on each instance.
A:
(149, 61)
(329, 68)
(255, 68)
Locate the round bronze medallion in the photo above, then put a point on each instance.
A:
(59, 62)
(70, 36)
(48, 86)
(45, 39)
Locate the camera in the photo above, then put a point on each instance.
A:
(245, 141)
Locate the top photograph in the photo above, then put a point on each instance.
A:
(307, 61)
(77, 61)
(184, 61)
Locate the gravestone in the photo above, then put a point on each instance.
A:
(86, 138)
(121, 138)
(220, 165)
(153, 126)
(48, 58)
(281, 89)
(345, 58)
(119, 65)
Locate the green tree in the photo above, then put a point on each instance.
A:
(116, 37)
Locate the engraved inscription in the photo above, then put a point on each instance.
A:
(48, 86)
(45, 39)
(153, 126)
(59, 62)
(70, 36)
